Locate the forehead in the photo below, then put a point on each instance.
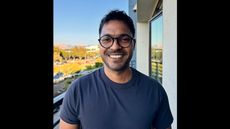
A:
(115, 27)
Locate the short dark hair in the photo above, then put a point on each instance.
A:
(118, 15)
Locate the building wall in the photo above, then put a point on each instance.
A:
(142, 47)
(170, 54)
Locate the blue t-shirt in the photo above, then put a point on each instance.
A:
(96, 102)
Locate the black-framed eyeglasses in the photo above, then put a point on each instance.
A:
(123, 40)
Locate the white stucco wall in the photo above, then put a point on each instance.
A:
(170, 54)
(142, 48)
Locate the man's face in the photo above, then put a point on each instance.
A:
(115, 57)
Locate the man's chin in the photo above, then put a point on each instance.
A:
(116, 65)
(117, 68)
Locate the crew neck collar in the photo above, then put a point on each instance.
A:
(128, 84)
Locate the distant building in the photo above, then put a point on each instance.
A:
(92, 48)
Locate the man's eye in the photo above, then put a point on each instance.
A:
(125, 39)
(107, 39)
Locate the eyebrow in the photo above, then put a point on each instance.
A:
(117, 35)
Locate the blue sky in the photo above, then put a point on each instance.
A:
(157, 33)
(77, 21)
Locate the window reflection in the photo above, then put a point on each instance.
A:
(156, 47)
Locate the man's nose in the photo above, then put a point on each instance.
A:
(115, 45)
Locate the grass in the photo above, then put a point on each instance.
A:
(76, 65)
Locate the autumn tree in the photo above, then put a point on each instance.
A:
(79, 51)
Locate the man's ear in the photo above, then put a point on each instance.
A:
(134, 43)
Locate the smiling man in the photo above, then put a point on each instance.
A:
(116, 96)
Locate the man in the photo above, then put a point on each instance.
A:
(116, 96)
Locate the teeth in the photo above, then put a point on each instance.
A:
(116, 56)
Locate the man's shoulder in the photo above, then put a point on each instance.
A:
(89, 75)
(146, 80)
(84, 83)
(150, 85)
(143, 76)
(87, 78)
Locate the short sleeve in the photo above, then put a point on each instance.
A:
(69, 108)
(164, 116)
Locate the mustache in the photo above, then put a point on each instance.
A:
(115, 52)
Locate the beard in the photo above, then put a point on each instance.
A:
(119, 64)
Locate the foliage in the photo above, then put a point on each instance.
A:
(70, 61)
(78, 51)
(156, 54)
(98, 64)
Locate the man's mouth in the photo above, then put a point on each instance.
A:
(116, 56)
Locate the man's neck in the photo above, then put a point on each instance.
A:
(119, 76)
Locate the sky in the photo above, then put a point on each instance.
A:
(76, 22)
(157, 27)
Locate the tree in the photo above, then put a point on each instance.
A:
(64, 54)
(98, 64)
(79, 51)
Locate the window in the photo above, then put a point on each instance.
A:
(156, 36)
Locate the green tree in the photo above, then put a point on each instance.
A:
(98, 64)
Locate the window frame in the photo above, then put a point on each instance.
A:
(155, 17)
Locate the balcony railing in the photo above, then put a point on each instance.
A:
(57, 101)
